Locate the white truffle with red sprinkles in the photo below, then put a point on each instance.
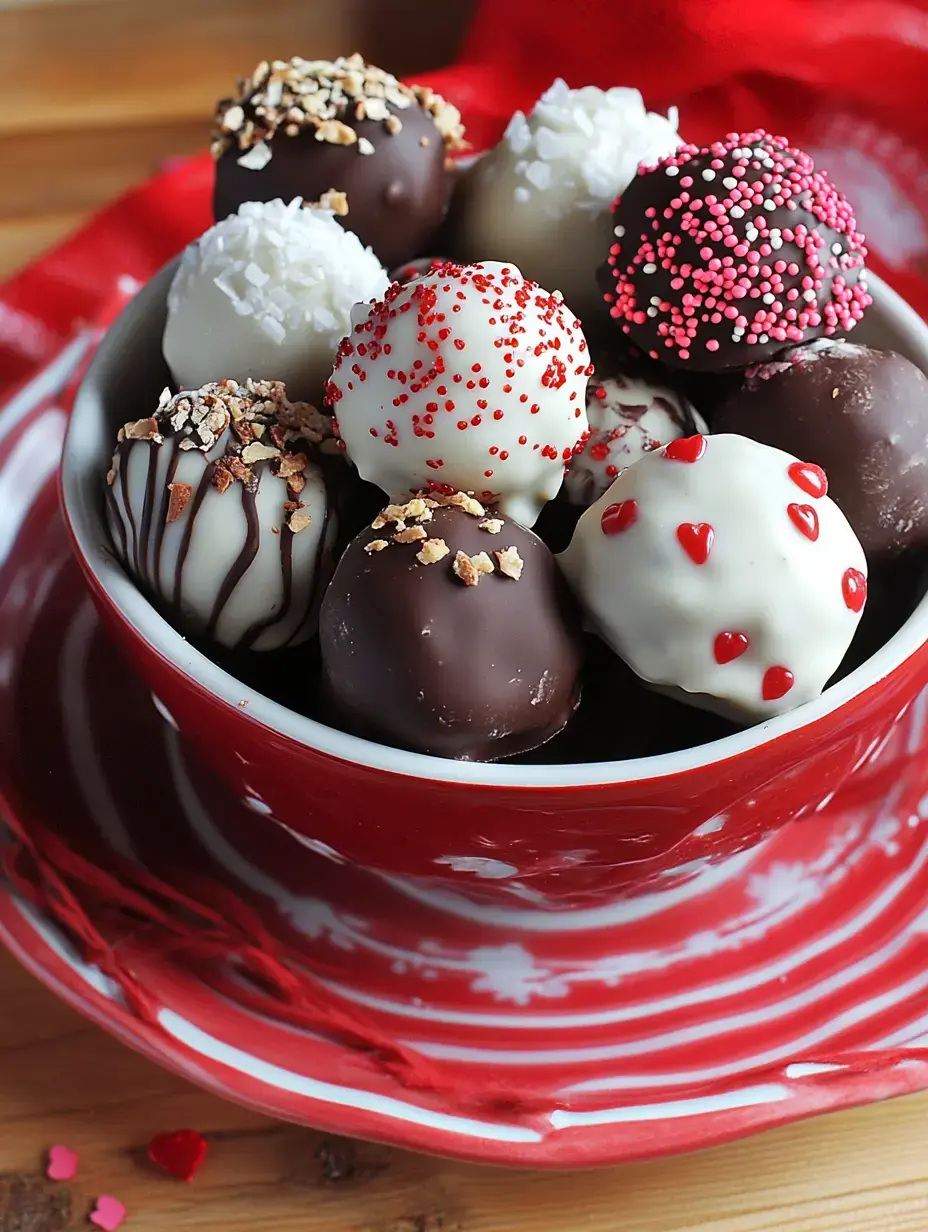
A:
(721, 570)
(470, 378)
(724, 254)
(628, 418)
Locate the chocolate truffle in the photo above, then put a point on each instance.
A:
(628, 418)
(267, 290)
(863, 416)
(221, 517)
(447, 629)
(470, 378)
(542, 197)
(725, 254)
(307, 128)
(719, 570)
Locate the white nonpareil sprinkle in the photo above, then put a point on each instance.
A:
(583, 147)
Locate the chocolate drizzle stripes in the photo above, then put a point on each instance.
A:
(123, 450)
(155, 580)
(243, 561)
(148, 507)
(203, 487)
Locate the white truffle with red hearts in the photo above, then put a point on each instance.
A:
(721, 571)
(469, 378)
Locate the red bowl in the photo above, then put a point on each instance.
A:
(550, 837)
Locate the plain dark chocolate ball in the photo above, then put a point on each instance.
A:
(416, 658)
(860, 414)
(397, 195)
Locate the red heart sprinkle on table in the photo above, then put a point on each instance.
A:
(108, 1213)
(777, 683)
(180, 1153)
(686, 449)
(617, 518)
(805, 519)
(696, 540)
(854, 589)
(811, 478)
(61, 1164)
(729, 646)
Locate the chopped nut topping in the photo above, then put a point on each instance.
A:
(466, 569)
(289, 464)
(510, 563)
(221, 479)
(111, 477)
(335, 201)
(298, 521)
(492, 525)
(432, 551)
(416, 509)
(423, 140)
(410, 535)
(180, 495)
(292, 95)
(482, 563)
(142, 430)
(256, 452)
(376, 545)
(463, 500)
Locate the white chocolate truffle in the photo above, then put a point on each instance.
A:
(720, 568)
(470, 378)
(542, 197)
(219, 515)
(628, 418)
(267, 293)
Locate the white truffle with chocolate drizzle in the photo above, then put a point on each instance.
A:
(628, 417)
(469, 378)
(219, 514)
(721, 570)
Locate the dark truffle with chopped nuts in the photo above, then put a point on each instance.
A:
(218, 508)
(304, 128)
(447, 630)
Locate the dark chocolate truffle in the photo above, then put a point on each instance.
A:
(306, 129)
(863, 416)
(728, 253)
(448, 630)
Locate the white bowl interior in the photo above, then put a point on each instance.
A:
(123, 382)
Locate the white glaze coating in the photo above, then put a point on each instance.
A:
(542, 197)
(470, 378)
(628, 418)
(714, 548)
(267, 293)
(213, 535)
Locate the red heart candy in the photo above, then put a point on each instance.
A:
(617, 518)
(729, 646)
(805, 519)
(811, 478)
(62, 1164)
(686, 449)
(777, 683)
(854, 589)
(696, 540)
(181, 1153)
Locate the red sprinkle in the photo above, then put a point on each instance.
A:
(777, 683)
(696, 539)
(618, 518)
(854, 589)
(728, 646)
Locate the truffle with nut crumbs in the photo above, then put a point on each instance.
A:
(448, 630)
(218, 509)
(308, 128)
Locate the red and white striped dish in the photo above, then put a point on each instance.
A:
(789, 980)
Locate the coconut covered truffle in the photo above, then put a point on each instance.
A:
(720, 569)
(304, 128)
(863, 416)
(628, 417)
(724, 254)
(221, 516)
(267, 292)
(448, 630)
(542, 197)
(469, 378)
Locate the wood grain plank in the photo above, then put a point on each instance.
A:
(63, 1080)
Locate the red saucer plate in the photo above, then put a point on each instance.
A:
(785, 982)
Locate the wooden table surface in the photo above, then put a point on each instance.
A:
(63, 1080)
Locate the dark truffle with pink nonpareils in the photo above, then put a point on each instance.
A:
(725, 254)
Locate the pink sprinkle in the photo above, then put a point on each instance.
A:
(61, 1164)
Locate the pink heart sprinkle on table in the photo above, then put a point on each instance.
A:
(108, 1213)
(62, 1164)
